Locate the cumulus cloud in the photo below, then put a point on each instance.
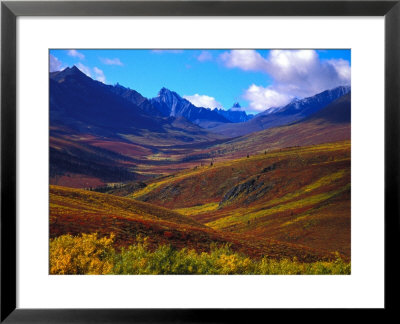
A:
(94, 73)
(114, 61)
(55, 64)
(295, 73)
(204, 56)
(260, 98)
(75, 53)
(248, 60)
(302, 73)
(203, 101)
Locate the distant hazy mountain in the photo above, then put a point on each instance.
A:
(169, 103)
(235, 114)
(294, 111)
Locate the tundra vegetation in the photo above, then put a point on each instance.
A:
(89, 254)
(284, 212)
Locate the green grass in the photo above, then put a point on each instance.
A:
(88, 254)
(196, 210)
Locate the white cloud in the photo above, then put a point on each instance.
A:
(261, 98)
(94, 73)
(114, 61)
(203, 101)
(75, 53)
(343, 69)
(294, 73)
(55, 64)
(248, 60)
(301, 73)
(99, 75)
(205, 56)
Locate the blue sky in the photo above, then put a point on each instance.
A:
(257, 79)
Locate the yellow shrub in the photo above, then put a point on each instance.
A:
(85, 254)
(88, 254)
(233, 264)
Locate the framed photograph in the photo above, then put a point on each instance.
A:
(197, 160)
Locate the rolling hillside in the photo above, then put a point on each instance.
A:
(297, 195)
(75, 211)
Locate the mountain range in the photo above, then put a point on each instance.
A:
(169, 103)
(111, 133)
(294, 111)
(88, 106)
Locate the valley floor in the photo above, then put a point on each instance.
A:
(282, 204)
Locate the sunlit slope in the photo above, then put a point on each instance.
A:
(75, 211)
(298, 195)
(310, 132)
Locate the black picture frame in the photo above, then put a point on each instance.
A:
(10, 10)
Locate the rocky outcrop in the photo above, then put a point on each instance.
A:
(269, 168)
(252, 188)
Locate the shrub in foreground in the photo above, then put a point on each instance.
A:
(85, 254)
(89, 254)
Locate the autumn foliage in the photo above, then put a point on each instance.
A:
(86, 254)
(285, 211)
(90, 254)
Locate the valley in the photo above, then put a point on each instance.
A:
(295, 195)
(270, 186)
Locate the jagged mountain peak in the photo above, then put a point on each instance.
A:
(68, 72)
(164, 92)
(235, 114)
(236, 107)
(72, 70)
(169, 103)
